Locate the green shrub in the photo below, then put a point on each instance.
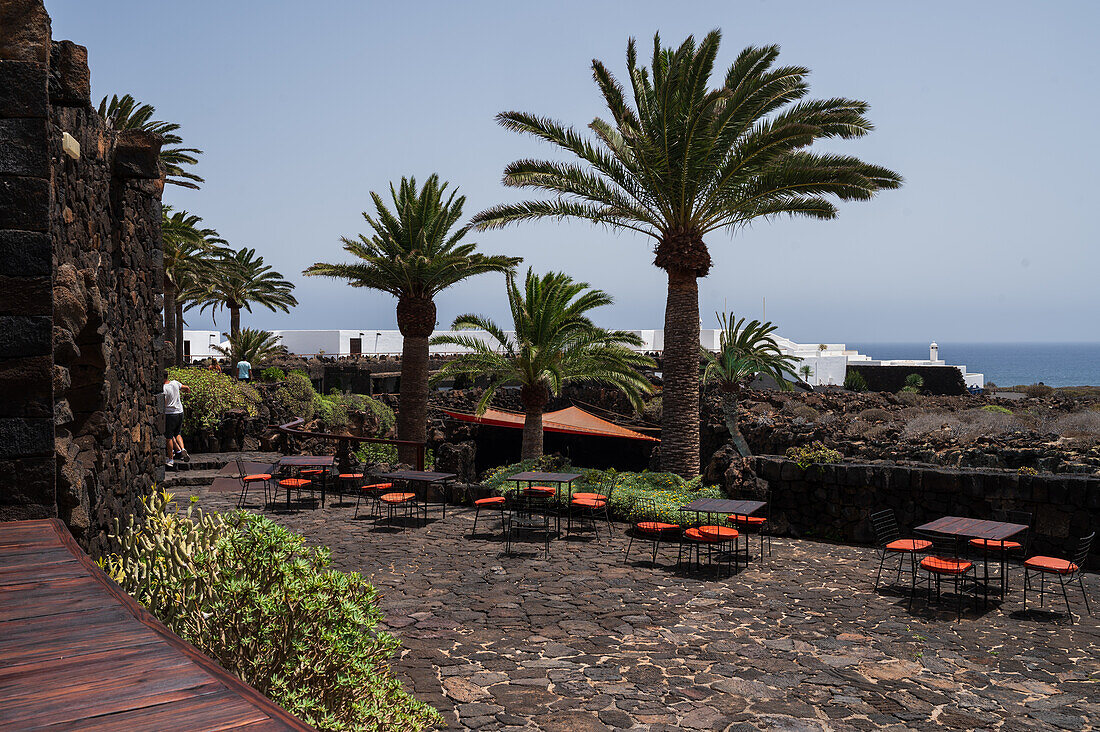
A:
(914, 381)
(910, 398)
(1027, 471)
(272, 373)
(996, 409)
(805, 412)
(266, 607)
(854, 381)
(874, 414)
(373, 453)
(815, 453)
(1038, 390)
(295, 396)
(626, 490)
(213, 394)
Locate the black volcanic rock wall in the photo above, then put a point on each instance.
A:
(947, 380)
(80, 328)
(835, 501)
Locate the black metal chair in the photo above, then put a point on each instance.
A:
(890, 544)
(943, 563)
(1001, 550)
(1060, 568)
(528, 511)
(249, 479)
(290, 479)
(755, 524)
(650, 527)
(592, 506)
(372, 492)
(493, 503)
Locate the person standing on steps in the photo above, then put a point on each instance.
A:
(244, 370)
(173, 420)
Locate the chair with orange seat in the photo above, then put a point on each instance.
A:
(400, 500)
(710, 536)
(890, 544)
(249, 479)
(495, 503)
(943, 563)
(372, 492)
(290, 479)
(590, 506)
(649, 526)
(318, 478)
(1000, 550)
(1062, 569)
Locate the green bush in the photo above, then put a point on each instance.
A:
(996, 409)
(626, 490)
(373, 453)
(1024, 470)
(910, 398)
(805, 412)
(854, 381)
(1038, 390)
(272, 373)
(815, 453)
(266, 607)
(296, 397)
(213, 395)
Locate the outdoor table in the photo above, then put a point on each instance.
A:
(970, 528)
(559, 479)
(725, 506)
(305, 461)
(425, 478)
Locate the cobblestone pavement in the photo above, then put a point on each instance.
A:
(586, 641)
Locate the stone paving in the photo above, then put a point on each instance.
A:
(585, 641)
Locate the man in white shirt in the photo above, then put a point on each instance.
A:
(173, 420)
(244, 370)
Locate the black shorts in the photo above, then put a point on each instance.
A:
(173, 423)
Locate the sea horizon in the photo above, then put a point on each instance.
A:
(1005, 364)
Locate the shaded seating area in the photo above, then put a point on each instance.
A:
(79, 653)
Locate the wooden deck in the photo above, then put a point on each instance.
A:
(76, 652)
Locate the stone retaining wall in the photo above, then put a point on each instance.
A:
(834, 501)
(81, 431)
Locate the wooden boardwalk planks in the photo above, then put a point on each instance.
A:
(78, 653)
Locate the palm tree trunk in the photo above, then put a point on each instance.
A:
(179, 331)
(416, 321)
(170, 319)
(534, 400)
(729, 411)
(680, 373)
(234, 320)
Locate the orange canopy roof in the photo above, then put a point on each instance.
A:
(571, 420)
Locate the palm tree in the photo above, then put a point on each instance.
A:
(555, 343)
(684, 161)
(188, 250)
(237, 280)
(251, 345)
(125, 113)
(414, 253)
(805, 371)
(743, 352)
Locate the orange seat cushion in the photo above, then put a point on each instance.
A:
(694, 534)
(377, 487)
(293, 482)
(995, 544)
(909, 545)
(589, 502)
(1051, 564)
(945, 565)
(544, 489)
(655, 527)
(750, 521)
(350, 476)
(593, 496)
(719, 533)
(490, 501)
(257, 476)
(398, 497)
(313, 471)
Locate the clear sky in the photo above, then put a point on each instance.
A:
(989, 110)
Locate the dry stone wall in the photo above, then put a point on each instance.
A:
(80, 326)
(835, 501)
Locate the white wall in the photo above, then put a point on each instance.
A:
(202, 342)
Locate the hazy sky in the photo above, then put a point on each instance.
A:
(988, 109)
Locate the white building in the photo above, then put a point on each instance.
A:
(828, 362)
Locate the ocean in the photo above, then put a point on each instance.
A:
(1007, 364)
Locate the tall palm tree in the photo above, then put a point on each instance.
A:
(414, 253)
(555, 343)
(744, 351)
(126, 113)
(188, 252)
(683, 161)
(237, 280)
